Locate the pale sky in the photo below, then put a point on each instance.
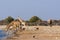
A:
(45, 9)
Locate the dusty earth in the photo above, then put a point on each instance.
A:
(38, 33)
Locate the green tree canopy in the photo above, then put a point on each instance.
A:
(34, 19)
(9, 19)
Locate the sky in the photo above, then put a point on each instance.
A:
(45, 9)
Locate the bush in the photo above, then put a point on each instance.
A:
(9, 19)
(34, 19)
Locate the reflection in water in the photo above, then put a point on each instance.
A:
(4, 35)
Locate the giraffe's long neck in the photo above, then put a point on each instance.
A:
(21, 21)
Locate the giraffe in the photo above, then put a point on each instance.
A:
(22, 21)
(14, 25)
(50, 22)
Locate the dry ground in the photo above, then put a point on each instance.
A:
(43, 33)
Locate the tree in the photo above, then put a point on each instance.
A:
(9, 19)
(34, 19)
